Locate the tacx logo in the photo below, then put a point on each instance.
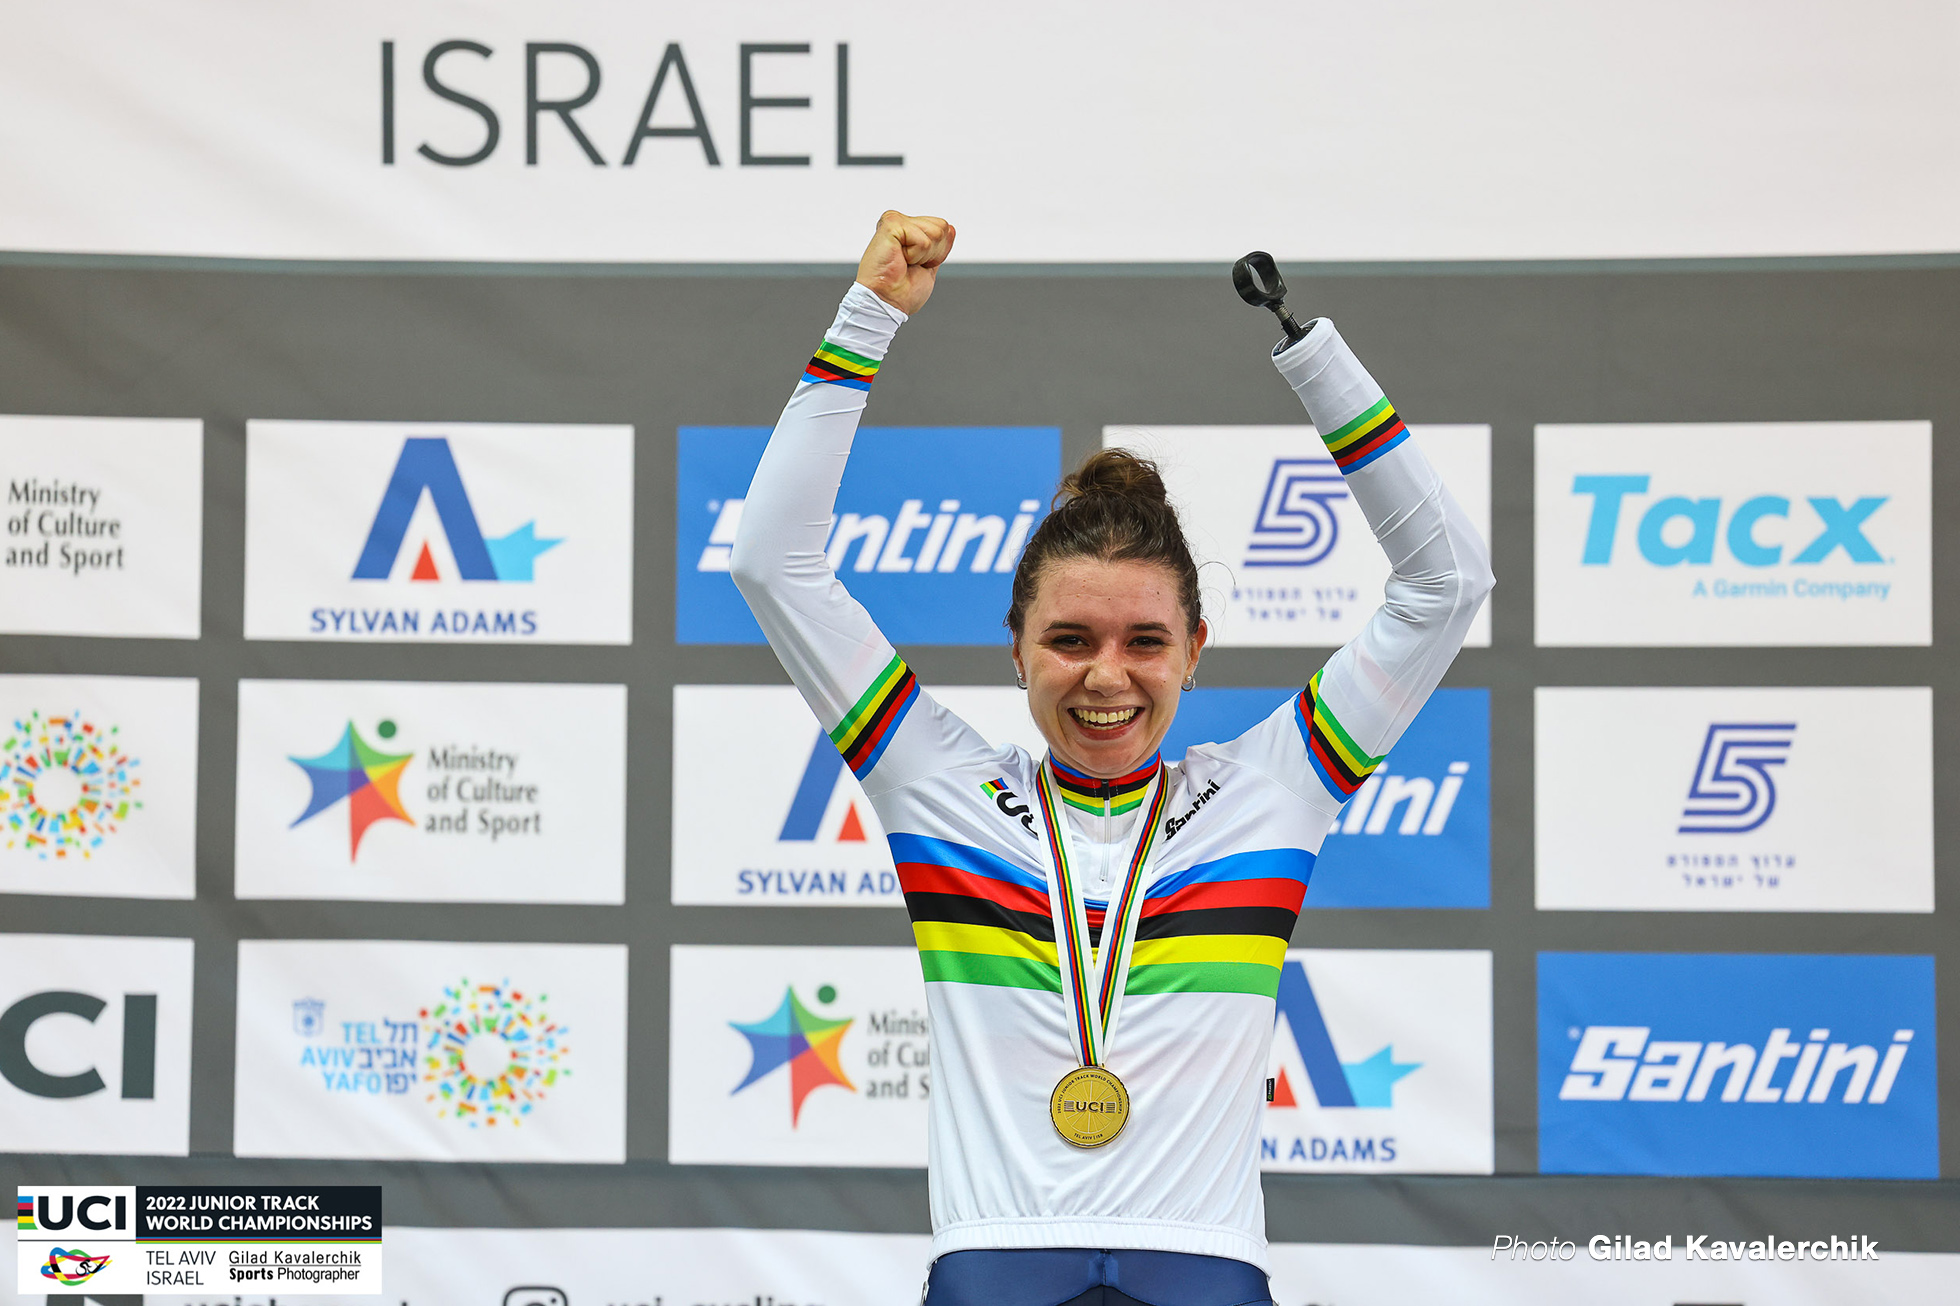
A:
(1009, 804)
(952, 539)
(796, 1037)
(1367, 1083)
(1422, 803)
(1614, 1063)
(1296, 525)
(1733, 791)
(814, 791)
(1676, 529)
(427, 465)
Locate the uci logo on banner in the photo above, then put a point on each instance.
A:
(1285, 554)
(1417, 834)
(929, 524)
(446, 532)
(1797, 533)
(1686, 1064)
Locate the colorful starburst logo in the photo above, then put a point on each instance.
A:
(77, 1266)
(804, 1041)
(368, 779)
(65, 785)
(492, 1054)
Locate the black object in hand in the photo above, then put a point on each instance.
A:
(1257, 279)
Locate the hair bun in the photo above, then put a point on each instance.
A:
(1116, 473)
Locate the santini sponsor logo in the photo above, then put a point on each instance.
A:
(1617, 1063)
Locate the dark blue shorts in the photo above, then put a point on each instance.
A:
(1081, 1276)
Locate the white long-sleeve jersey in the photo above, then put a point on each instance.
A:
(1244, 822)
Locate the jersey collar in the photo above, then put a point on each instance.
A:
(1088, 793)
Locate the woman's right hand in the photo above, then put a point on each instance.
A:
(902, 261)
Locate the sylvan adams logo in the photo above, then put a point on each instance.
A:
(427, 464)
(1733, 791)
(492, 1054)
(813, 795)
(796, 1037)
(66, 785)
(1367, 1083)
(366, 778)
(74, 1265)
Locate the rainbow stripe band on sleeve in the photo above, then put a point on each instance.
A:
(839, 366)
(868, 727)
(1336, 758)
(1367, 437)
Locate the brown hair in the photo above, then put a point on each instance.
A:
(1113, 508)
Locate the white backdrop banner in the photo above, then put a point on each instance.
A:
(431, 1051)
(105, 525)
(398, 791)
(796, 829)
(98, 786)
(775, 131)
(1285, 555)
(1741, 533)
(1735, 799)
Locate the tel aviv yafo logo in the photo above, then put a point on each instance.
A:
(427, 464)
(66, 785)
(367, 779)
(796, 1037)
(492, 1053)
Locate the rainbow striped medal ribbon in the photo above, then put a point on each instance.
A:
(1090, 1106)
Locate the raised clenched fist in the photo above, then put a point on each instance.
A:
(902, 261)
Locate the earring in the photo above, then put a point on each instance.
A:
(1191, 682)
(1020, 679)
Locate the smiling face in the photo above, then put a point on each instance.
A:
(1104, 648)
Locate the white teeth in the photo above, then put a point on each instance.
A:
(1117, 717)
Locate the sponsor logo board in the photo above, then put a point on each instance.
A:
(390, 790)
(1285, 556)
(1734, 799)
(431, 1051)
(1381, 1064)
(1696, 1064)
(98, 786)
(95, 1045)
(797, 1056)
(928, 526)
(798, 829)
(105, 526)
(1789, 533)
(446, 532)
(1417, 834)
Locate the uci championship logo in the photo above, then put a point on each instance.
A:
(66, 785)
(797, 1037)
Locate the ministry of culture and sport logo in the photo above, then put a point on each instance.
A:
(72, 1265)
(66, 785)
(427, 464)
(1732, 791)
(796, 1037)
(365, 778)
(1296, 525)
(492, 1054)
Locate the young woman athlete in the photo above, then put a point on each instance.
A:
(1101, 933)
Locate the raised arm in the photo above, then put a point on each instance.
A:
(1357, 705)
(860, 689)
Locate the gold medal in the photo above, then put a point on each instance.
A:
(1089, 1106)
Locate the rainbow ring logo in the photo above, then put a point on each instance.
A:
(492, 1055)
(65, 785)
(76, 1266)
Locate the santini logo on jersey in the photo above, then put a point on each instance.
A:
(1616, 1063)
(1732, 791)
(426, 464)
(1296, 525)
(1751, 538)
(983, 543)
(1172, 824)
